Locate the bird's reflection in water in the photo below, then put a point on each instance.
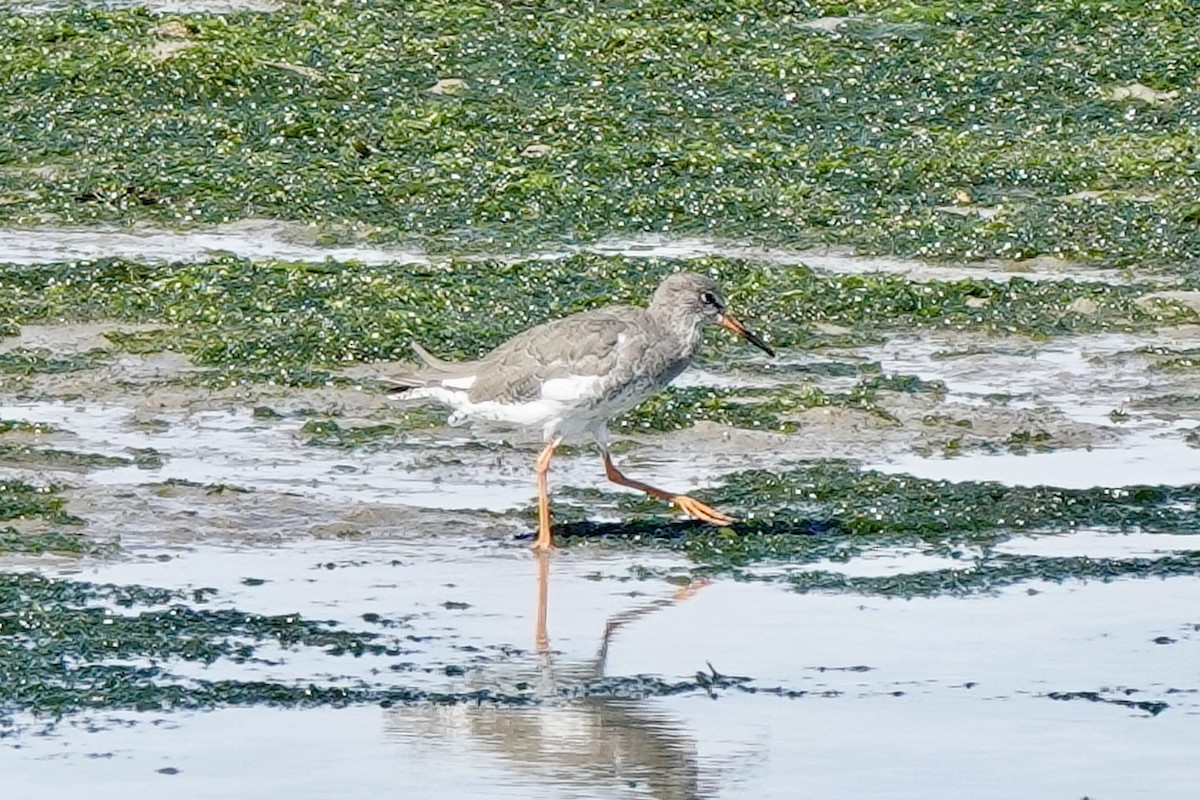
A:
(595, 745)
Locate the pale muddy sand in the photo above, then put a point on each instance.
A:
(847, 695)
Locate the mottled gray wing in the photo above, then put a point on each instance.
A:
(592, 343)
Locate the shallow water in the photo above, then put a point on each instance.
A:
(744, 747)
(1085, 378)
(893, 691)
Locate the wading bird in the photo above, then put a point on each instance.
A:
(570, 376)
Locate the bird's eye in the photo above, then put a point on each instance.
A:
(709, 299)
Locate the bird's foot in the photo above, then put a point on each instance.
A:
(544, 542)
(700, 511)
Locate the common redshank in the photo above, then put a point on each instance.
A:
(571, 375)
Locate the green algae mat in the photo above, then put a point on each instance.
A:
(944, 130)
(283, 321)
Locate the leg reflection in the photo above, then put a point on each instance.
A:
(584, 743)
(615, 622)
(543, 566)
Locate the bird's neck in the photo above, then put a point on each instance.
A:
(685, 332)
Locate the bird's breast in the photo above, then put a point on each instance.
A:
(622, 392)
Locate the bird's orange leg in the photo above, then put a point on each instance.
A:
(686, 504)
(545, 541)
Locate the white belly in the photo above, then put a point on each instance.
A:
(569, 407)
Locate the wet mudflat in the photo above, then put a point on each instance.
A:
(966, 561)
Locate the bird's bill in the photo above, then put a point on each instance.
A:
(729, 323)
